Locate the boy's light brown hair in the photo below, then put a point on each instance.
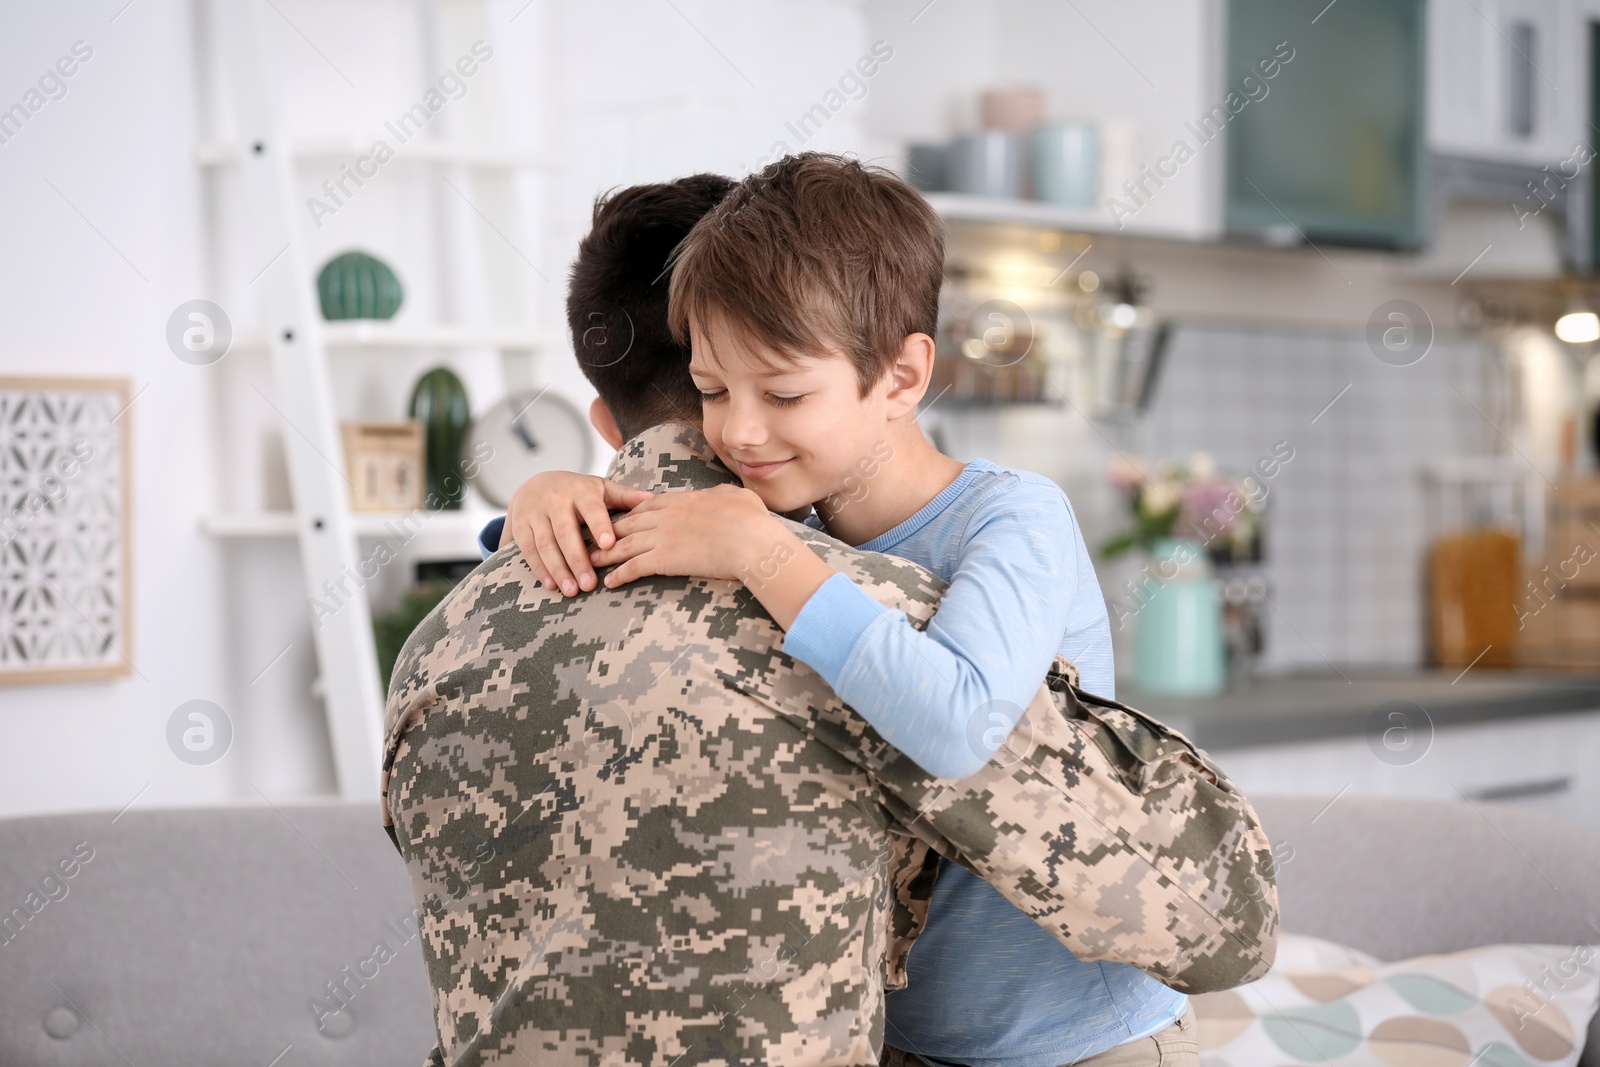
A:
(815, 254)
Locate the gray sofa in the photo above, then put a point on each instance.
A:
(1401, 878)
(209, 936)
(251, 936)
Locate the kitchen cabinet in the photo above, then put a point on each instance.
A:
(1510, 114)
(1508, 79)
(1139, 70)
(1548, 764)
(1335, 148)
(1335, 151)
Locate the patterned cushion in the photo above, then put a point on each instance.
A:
(1322, 1003)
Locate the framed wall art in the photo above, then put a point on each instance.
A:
(65, 589)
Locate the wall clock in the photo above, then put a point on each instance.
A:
(523, 435)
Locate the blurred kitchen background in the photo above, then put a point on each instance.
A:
(1296, 300)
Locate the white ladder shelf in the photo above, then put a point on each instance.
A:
(298, 341)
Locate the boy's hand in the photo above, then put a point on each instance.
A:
(724, 532)
(705, 533)
(544, 519)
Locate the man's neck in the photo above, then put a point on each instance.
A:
(901, 486)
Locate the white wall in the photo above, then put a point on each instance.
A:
(102, 241)
(635, 91)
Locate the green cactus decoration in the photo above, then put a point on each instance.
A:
(440, 402)
(358, 286)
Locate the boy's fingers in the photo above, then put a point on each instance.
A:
(548, 552)
(598, 519)
(523, 532)
(625, 548)
(530, 558)
(576, 554)
(621, 496)
(635, 523)
(637, 567)
(657, 500)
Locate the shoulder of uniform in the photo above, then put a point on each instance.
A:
(890, 580)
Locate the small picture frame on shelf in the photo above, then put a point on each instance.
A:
(383, 461)
(65, 557)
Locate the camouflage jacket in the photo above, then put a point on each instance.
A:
(639, 833)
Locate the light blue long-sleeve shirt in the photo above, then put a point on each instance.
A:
(988, 987)
(1021, 589)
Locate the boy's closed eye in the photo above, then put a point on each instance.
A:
(781, 400)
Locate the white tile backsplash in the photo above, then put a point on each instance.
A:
(1346, 533)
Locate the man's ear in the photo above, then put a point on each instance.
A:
(600, 418)
(910, 376)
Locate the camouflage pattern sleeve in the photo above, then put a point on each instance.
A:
(1112, 831)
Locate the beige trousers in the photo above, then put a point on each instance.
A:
(1176, 1046)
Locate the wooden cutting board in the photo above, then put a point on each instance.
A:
(1473, 579)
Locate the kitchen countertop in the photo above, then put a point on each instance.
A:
(1295, 708)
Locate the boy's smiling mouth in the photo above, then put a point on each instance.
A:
(758, 471)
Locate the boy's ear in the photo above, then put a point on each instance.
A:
(911, 374)
(606, 426)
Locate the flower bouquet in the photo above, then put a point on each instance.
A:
(1193, 501)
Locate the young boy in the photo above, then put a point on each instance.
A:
(810, 295)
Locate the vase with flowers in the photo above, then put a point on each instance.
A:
(1185, 516)
(1191, 500)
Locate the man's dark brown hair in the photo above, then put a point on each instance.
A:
(617, 300)
(816, 253)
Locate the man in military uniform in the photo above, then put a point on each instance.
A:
(640, 834)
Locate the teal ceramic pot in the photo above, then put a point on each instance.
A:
(1066, 164)
(439, 402)
(358, 286)
(1178, 643)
